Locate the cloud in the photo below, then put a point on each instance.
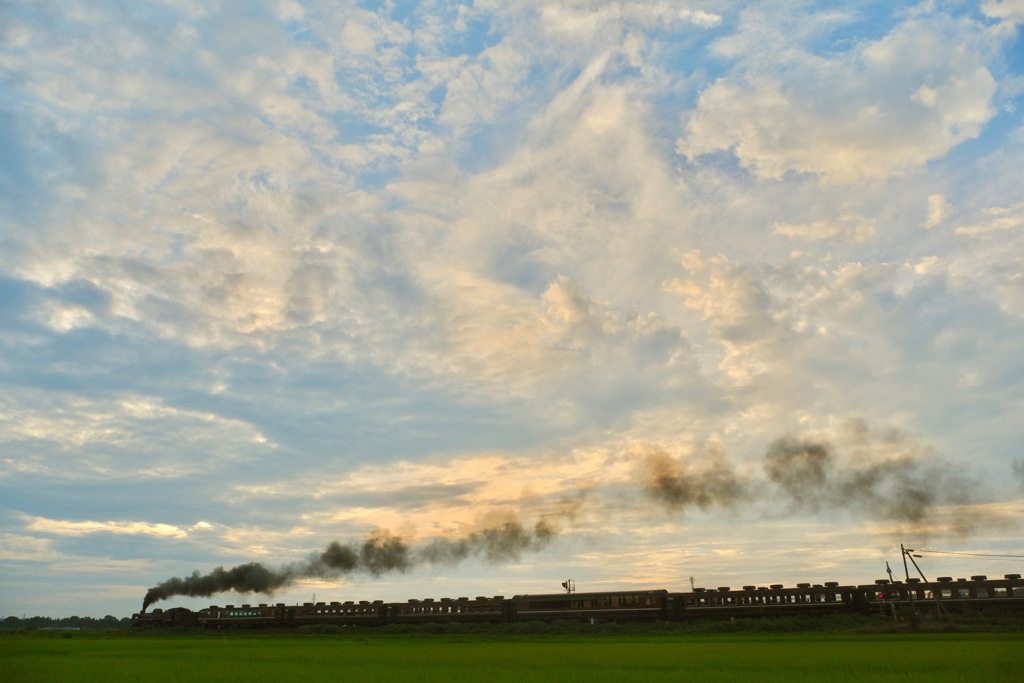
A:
(782, 339)
(44, 428)
(484, 88)
(739, 307)
(847, 227)
(1008, 10)
(59, 527)
(938, 209)
(587, 19)
(894, 104)
(997, 219)
(21, 548)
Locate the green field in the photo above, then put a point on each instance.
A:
(788, 658)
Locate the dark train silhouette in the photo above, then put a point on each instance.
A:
(884, 596)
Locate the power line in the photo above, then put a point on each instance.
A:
(952, 552)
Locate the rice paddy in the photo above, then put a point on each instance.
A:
(773, 657)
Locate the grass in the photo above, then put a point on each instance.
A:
(533, 659)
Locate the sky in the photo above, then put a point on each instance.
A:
(426, 299)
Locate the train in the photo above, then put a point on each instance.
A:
(884, 597)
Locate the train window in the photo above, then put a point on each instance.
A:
(963, 593)
(998, 592)
(1018, 591)
(981, 592)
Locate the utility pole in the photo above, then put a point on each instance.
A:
(909, 552)
(892, 603)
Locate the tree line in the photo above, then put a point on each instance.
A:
(66, 623)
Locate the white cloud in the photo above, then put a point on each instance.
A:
(997, 219)
(881, 109)
(938, 209)
(21, 548)
(59, 527)
(847, 227)
(83, 438)
(1012, 292)
(484, 88)
(589, 19)
(786, 338)
(289, 10)
(1010, 10)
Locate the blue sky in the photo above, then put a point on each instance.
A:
(729, 290)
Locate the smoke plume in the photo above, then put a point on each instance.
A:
(882, 475)
(1018, 472)
(380, 554)
(680, 483)
(877, 475)
(800, 468)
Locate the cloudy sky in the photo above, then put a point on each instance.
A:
(627, 292)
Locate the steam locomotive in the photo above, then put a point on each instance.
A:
(882, 597)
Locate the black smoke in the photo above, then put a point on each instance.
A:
(378, 555)
(889, 478)
(800, 468)
(879, 475)
(251, 577)
(679, 483)
(497, 544)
